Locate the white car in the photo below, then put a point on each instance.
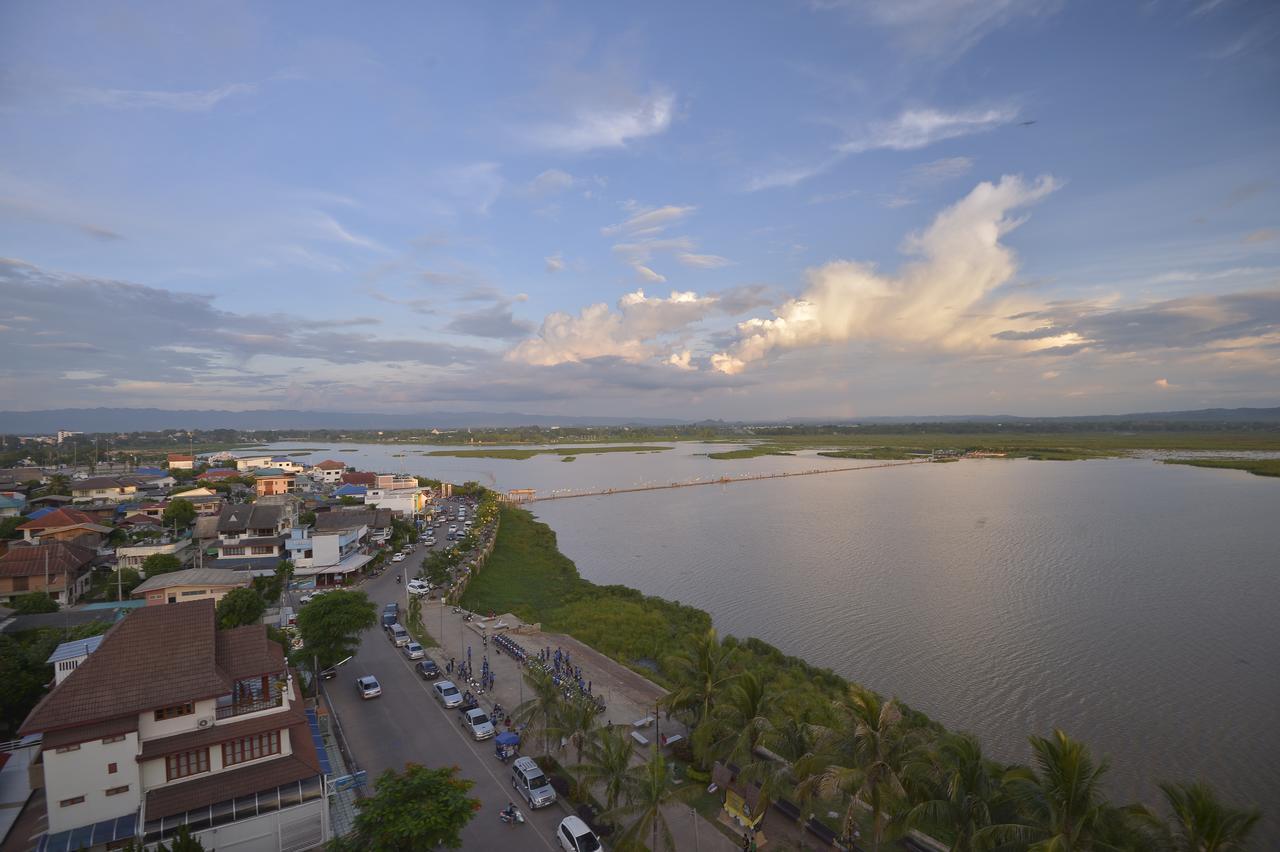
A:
(574, 836)
(453, 528)
(414, 651)
(446, 693)
(430, 542)
(368, 687)
(418, 587)
(399, 557)
(477, 722)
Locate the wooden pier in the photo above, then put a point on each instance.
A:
(528, 495)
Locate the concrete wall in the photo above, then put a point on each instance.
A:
(84, 772)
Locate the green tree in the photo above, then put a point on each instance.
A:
(180, 513)
(34, 603)
(740, 723)
(608, 760)
(240, 607)
(1060, 801)
(417, 809)
(160, 563)
(307, 519)
(119, 583)
(270, 588)
(578, 722)
(964, 791)
(1203, 823)
(9, 527)
(703, 670)
(331, 625)
(59, 484)
(647, 792)
(348, 500)
(541, 710)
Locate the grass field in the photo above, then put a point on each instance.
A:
(752, 452)
(551, 451)
(1258, 467)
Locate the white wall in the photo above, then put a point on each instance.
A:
(83, 772)
(291, 830)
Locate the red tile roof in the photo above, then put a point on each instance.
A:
(57, 519)
(356, 477)
(29, 560)
(179, 457)
(330, 464)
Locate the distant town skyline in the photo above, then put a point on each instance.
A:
(833, 208)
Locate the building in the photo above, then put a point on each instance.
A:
(350, 491)
(134, 555)
(377, 522)
(273, 481)
(394, 481)
(331, 556)
(251, 463)
(172, 722)
(58, 568)
(12, 503)
(69, 655)
(217, 474)
(177, 461)
(191, 584)
(403, 501)
(65, 525)
(253, 530)
(113, 489)
(360, 477)
(287, 464)
(328, 471)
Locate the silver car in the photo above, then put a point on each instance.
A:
(368, 686)
(446, 693)
(414, 651)
(477, 722)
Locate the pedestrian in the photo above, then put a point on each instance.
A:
(468, 653)
(588, 687)
(493, 679)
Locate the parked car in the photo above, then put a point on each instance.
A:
(428, 669)
(398, 635)
(477, 722)
(529, 782)
(399, 557)
(418, 587)
(368, 686)
(574, 836)
(414, 651)
(446, 693)
(430, 541)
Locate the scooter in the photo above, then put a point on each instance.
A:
(511, 815)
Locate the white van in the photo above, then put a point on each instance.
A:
(399, 636)
(529, 781)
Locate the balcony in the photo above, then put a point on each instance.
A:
(253, 696)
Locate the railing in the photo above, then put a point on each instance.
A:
(14, 745)
(240, 708)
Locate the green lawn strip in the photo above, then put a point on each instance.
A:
(1258, 467)
(554, 451)
(751, 452)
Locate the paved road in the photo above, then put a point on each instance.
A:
(407, 724)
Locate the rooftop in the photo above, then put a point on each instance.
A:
(236, 518)
(32, 560)
(58, 518)
(75, 648)
(192, 577)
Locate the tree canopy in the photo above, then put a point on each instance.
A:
(240, 607)
(160, 563)
(419, 808)
(33, 603)
(180, 512)
(331, 625)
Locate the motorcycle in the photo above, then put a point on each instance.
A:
(511, 815)
(397, 578)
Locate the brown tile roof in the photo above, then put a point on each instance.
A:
(140, 518)
(207, 789)
(225, 732)
(355, 477)
(58, 518)
(84, 733)
(102, 482)
(28, 560)
(247, 651)
(330, 464)
(179, 457)
(156, 657)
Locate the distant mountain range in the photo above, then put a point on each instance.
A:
(155, 419)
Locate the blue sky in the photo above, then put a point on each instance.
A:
(693, 210)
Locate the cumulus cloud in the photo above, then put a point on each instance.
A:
(959, 262)
(607, 123)
(634, 332)
(199, 100)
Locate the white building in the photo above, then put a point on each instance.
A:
(244, 463)
(134, 555)
(328, 471)
(403, 501)
(204, 728)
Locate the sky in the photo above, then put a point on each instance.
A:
(730, 210)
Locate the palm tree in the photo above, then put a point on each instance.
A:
(577, 721)
(647, 792)
(862, 759)
(1061, 800)
(59, 483)
(741, 721)
(703, 671)
(967, 790)
(1202, 823)
(608, 762)
(541, 711)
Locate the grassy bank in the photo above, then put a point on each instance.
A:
(549, 451)
(1258, 467)
(881, 453)
(751, 452)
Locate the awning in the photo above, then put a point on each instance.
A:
(88, 836)
(353, 562)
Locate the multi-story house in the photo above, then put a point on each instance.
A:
(111, 489)
(58, 568)
(172, 722)
(65, 524)
(403, 501)
(328, 555)
(178, 461)
(287, 464)
(273, 481)
(132, 556)
(253, 530)
(250, 463)
(377, 522)
(328, 471)
(393, 481)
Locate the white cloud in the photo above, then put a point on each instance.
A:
(550, 182)
(920, 128)
(644, 273)
(633, 332)
(680, 360)
(943, 28)
(789, 177)
(937, 171)
(931, 300)
(703, 261)
(331, 229)
(649, 220)
(188, 101)
(555, 262)
(609, 123)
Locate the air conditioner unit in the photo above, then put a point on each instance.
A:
(206, 722)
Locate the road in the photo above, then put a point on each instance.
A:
(407, 725)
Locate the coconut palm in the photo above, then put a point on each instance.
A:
(1202, 823)
(608, 760)
(965, 790)
(742, 720)
(862, 759)
(577, 721)
(1061, 803)
(59, 483)
(703, 670)
(647, 791)
(541, 711)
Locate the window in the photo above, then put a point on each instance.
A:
(65, 749)
(175, 711)
(194, 592)
(116, 791)
(119, 738)
(263, 550)
(233, 551)
(21, 584)
(250, 748)
(66, 803)
(112, 768)
(187, 763)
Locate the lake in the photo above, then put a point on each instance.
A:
(1131, 603)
